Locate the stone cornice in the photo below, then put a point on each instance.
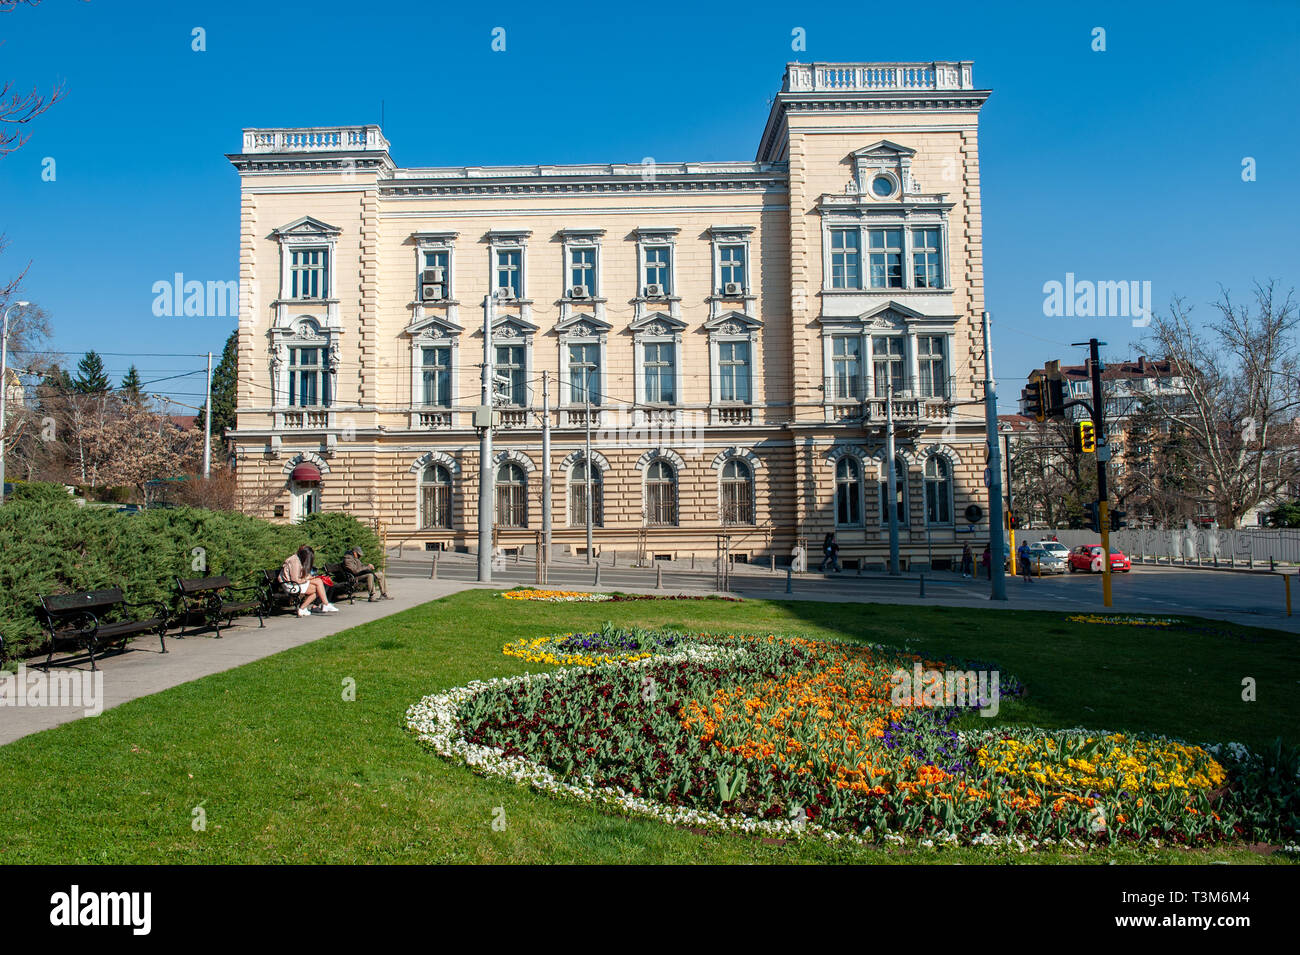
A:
(341, 162)
(769, 146)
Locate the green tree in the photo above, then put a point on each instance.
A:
(130, 387)
(224, 378)
(91, 378)
(1285, 515)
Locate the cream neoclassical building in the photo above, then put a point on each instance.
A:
(733, 328)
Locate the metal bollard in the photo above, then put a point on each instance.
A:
(614, 560)
(922, 582)
(659, 576)
(596, 582)
(433, 568)
(692, 561)
(1288, 594)
(789, 580)
(1272, 565)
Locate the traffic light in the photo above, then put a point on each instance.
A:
(1093, 518)
(1054, 406)
(1117, 520)
(1087, 437)
(1034, 399)
(1012, 522)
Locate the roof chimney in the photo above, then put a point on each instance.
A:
(1142, 364)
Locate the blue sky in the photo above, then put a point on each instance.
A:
(1116, 165)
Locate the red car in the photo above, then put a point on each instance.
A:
(1087, 557)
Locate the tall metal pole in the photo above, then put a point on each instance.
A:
(586, 458)
(1011, 509)
(207, 424)
(4, 390)
(892, 479)
(997, 573)
(486, 475)
(1103, 455)
(546, 464)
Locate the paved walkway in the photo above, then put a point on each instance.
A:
(143, 671)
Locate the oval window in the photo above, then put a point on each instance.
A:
(882, 186)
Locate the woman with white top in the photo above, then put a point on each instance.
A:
(296, 578)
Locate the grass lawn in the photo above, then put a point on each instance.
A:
(287, 771)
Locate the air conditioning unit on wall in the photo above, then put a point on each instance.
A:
(733, 288)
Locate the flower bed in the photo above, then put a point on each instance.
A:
(588, 649)
(556, 596)
(1123, 621)
(794, 736)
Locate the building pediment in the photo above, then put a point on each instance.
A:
(512, 326)
(884, 149)
(658, 323)
(733, 323)
(433, 326)
(305, 227)
(890, 314)
(583, 325)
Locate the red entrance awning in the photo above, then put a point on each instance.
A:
(306, 473)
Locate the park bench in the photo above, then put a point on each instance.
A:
(274, 597)
(209, 599)
(80, 621)
(345, 582)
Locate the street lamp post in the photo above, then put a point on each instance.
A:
(4, 390)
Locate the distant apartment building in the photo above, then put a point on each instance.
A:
(1136, 431)
(735, 334)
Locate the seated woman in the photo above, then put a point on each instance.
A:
(296, 578)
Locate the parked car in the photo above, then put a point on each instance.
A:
(1056, 547)
(1043, 560)
(1087, 557)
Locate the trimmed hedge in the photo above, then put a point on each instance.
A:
(62, 548)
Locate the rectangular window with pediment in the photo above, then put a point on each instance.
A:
(309, 380)
(660, 372)
(888, 364)
(885, 255)
(584, 374)
(511, 366)
(436, 371)
(733, 371)
(309, 273)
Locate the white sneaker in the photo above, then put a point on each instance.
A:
(304, 612)
(329, 608)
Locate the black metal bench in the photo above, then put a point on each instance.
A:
(208, 599)
(345, 582)
(77, 621)
(274, 596)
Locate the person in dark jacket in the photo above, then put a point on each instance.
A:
(831, 552)
(365, 572)
(967, 561)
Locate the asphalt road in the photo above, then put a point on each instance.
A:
(1252, 598)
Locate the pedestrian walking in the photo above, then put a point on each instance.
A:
(831, 553)
(1022, 557)
(987, 562)
(967, 561)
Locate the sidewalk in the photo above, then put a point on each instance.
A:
(145, 670)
